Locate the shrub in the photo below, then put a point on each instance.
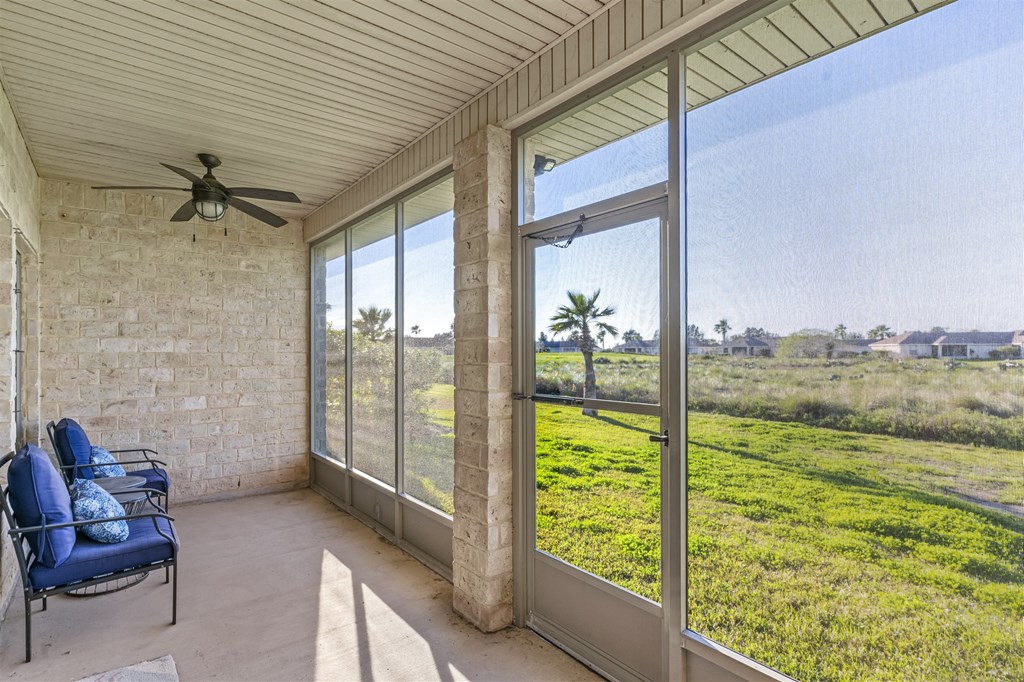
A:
(1005, 353)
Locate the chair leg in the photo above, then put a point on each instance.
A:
(44, 603)
(28, 630)
(174, 597)
(167, 575)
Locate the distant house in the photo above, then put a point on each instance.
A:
(746, 346)
(848, 347)
(652, 347)
(699, 347)
(957, 345)
(569, 346)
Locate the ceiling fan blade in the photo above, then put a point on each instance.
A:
(257, 212)
(177, 189)
(269, 194)
(184, 213)
(195, 179)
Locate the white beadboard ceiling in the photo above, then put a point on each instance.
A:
(301, 95)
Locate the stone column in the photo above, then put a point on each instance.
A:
(482, 566)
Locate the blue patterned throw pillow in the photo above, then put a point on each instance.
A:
(102, 456)
(88, 502)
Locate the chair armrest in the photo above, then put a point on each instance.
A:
(146, 452)
(133, 461)
(75, 524)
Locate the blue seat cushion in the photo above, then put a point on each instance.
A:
(155, 478)
(73, 446)
(100, 455)
(90, 502)
(90, 559)
(38, 494)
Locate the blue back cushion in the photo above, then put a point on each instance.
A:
(38, 494)
(103, 456)
(88, 502)
(73, 447)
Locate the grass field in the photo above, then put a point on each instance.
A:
(828, 554)
(430, 448)
(975, 402)
(620, 376)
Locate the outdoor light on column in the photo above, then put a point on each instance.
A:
(542, 164)
(210, 205)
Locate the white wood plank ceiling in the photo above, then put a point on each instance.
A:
(776, 42)
(301, 95)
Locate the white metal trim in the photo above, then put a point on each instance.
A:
(598, 209)
(724, 657)
(595, 659)
(673, 378)
(596, 581)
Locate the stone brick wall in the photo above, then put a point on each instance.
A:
(198, 350)
(482, 536)
(19, 184)
(19, 214)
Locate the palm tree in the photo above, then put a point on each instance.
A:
(373, 323)
(840, 331)
(632, 335)
(723, 328)
(882, 331)
(577, 319)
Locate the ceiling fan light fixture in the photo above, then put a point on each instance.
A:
(210, 208)
(210, 198)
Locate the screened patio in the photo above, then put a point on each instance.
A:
(455, 399)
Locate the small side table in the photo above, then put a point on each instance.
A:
(122, 489)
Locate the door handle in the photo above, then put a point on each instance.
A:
(556, 399)
(663, 438)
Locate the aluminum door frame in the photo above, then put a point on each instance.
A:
(643, 204)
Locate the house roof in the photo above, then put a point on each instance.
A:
(996, 338)
(952, 338)
(746, 342)
(859, 342)
(925, 338)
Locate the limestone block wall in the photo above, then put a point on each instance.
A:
(482, 536)
(198, 350)
(19, 223)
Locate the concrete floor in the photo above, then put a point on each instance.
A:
(279, 587)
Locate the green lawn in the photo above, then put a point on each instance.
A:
(598, 495)
(828, 555)
(430, 447)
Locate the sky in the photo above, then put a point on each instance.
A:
(429, 278)
(880, 184)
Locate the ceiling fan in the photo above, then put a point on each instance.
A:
(210, 198)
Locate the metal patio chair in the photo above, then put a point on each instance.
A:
(73, 449)
(152, 543)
